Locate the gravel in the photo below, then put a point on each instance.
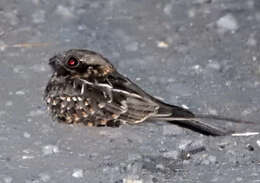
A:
(201, 54)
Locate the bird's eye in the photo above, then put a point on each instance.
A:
(72, 62)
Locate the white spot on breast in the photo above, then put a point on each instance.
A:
(74, 99)
(80, 99)
(54, 102)
(101, 105)
(86, 103)
(63, 105)
(68, 99)
(48, 100)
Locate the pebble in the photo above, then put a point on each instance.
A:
(129, 180)
(77, 173)
(27, 157)
(258, 142)
(64, 11)
(44, 177)
(50, 149)
(227, 23)
(184, 143)
(214, 65)
(20, 92)
(26, 135)
(162, 44)
(168, 9)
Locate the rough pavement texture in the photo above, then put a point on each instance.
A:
(202, 53)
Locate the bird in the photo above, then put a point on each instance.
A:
(86, 88)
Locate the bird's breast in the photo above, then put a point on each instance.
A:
(68, 104)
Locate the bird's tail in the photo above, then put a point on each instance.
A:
(187, 119)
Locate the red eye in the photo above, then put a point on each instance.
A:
(72, 62)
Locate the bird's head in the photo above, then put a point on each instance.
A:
(82, 63)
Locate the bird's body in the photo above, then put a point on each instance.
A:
(86, 88)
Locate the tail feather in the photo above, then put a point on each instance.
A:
(202, 127)
(196, 125)
(185, 118)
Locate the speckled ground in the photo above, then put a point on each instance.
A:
(203, 54)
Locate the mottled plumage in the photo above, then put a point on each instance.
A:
(86, 88)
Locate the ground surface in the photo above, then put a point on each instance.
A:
(202, 53)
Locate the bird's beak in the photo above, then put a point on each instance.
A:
(53, 60)
(56, 63)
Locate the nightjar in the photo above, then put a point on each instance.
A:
(86, 88)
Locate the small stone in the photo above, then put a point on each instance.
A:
(212, 159)
(26, 135)
(258, 142)
(64, 11)
(19, 69)
(50, 149)
(20, 92)
(227, 23)
(27, 157)
(138, 79)
(130, 180)
(191, 13)
(250, 147)
(214, 65)
(184, 143)
(162, 44)
(185, 106)
(77, 173)
(197, 68)
(160, 166)
(212, 111)
(44, 177)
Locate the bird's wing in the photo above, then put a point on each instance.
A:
(121, 98)
(136, 104)
(141, 106)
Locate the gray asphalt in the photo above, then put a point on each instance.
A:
(200, 54)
